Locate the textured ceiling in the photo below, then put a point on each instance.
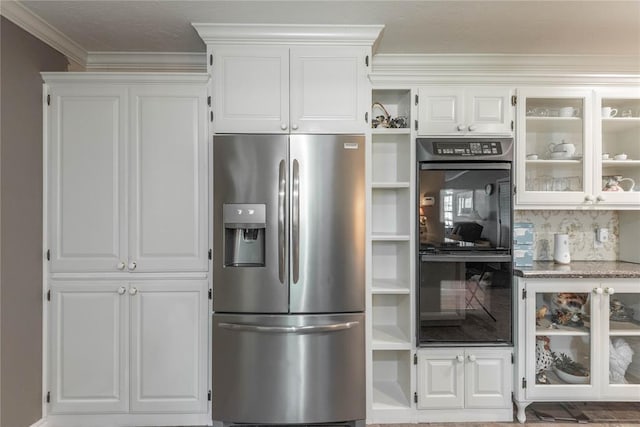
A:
(458, 27)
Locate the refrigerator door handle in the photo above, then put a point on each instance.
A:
(295, 221)
(282, 191)
(288, 329)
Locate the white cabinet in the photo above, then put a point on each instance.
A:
(459, 110)
(119, 347)
(126, 173)
(562, 138)
(282, 89)
(471, 378)
(579, 340)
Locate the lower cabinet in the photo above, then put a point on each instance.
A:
(128, 347)
(465, 378)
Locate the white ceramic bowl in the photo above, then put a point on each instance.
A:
(571, 379)
(532, 156)
(620, 156)
(556, 155)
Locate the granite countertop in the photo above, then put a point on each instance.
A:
(580, 269)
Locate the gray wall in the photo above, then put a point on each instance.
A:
(22, 57)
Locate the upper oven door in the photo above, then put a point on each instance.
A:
(465, 206)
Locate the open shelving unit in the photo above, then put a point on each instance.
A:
(392, 276)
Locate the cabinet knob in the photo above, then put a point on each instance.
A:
(132, 265)
(283, 126)
(473, 128)
(121, 265)
(460, 358)
(609, 291)
(294, 127)
(589, 198)
(122, 290)
(461, 127)
(599, 198)
(597, 291)
(133, 291)
(472, 358)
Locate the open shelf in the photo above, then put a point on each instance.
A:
(390, 211)
(392, 379)
(390, 265)
(391, 156)
(390, 286)
(391, 322)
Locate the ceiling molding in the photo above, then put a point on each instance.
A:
(364, 35)
(147, 61)
(506, 68)
(36, 26)
(127, 78)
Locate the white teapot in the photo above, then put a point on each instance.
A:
(563, 149)
(612, 183)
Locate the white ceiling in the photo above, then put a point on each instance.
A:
(414, 27)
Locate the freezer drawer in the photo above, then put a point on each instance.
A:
(288, 368)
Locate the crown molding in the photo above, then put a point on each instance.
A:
(124, 77)
(364, 35)
(36, 26)
(147, 61)
(520, 69)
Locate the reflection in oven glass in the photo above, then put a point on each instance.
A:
(465, 302)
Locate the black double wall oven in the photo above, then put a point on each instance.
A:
(465, 258)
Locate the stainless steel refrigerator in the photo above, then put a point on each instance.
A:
(288, 279)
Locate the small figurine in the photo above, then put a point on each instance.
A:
(618, 311)
(544, 357)
(620, 356)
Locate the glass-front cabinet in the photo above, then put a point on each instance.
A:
(554, 146)
(617, 176)
(583, 339)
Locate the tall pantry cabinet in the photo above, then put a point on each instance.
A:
(126, 248)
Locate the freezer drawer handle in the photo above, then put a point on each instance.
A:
(287, 329)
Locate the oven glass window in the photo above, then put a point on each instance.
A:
(462, 209)
(465, 302)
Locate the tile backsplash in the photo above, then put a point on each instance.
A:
(579, 225)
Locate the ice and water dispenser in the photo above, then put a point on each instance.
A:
(244, 233)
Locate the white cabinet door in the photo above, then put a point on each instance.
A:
(488, 376)
(440, 111)
(455, 110)
(440, 379)
(168, 187)
(85, 147)
(251, 89)
(328, 89)
(89, 348)
(169, 330)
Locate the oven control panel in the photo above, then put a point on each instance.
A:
(467, 148)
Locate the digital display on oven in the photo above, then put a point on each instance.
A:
(445, 148)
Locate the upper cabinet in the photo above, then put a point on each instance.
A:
(462, 111)
(296, 79)
(571, 156)
(126, 173)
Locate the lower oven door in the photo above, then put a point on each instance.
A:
(288, 369)
(465, 299)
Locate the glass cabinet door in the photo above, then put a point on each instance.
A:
(622, 374)
(554, 150)
(560, 340)
(617, 179)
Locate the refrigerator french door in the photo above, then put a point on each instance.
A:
(288, 278)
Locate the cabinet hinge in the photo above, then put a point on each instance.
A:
(210, 254)
(48, 254)
(515, 189)
(209, 102)
(48, 99)
(415, 124)
(415, 397)
(210, 293)
(366, 117)
(366, 60)
(524, 294)
(512, 358)
(514, 100)
(48, 398)
(512, 125)
(524, 382)
(415, 359)
(416, 100)
(49, 295)
(211, 117)
(211, 60)
(209, 396)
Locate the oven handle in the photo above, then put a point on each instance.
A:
(467, 166)
(466, 258)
